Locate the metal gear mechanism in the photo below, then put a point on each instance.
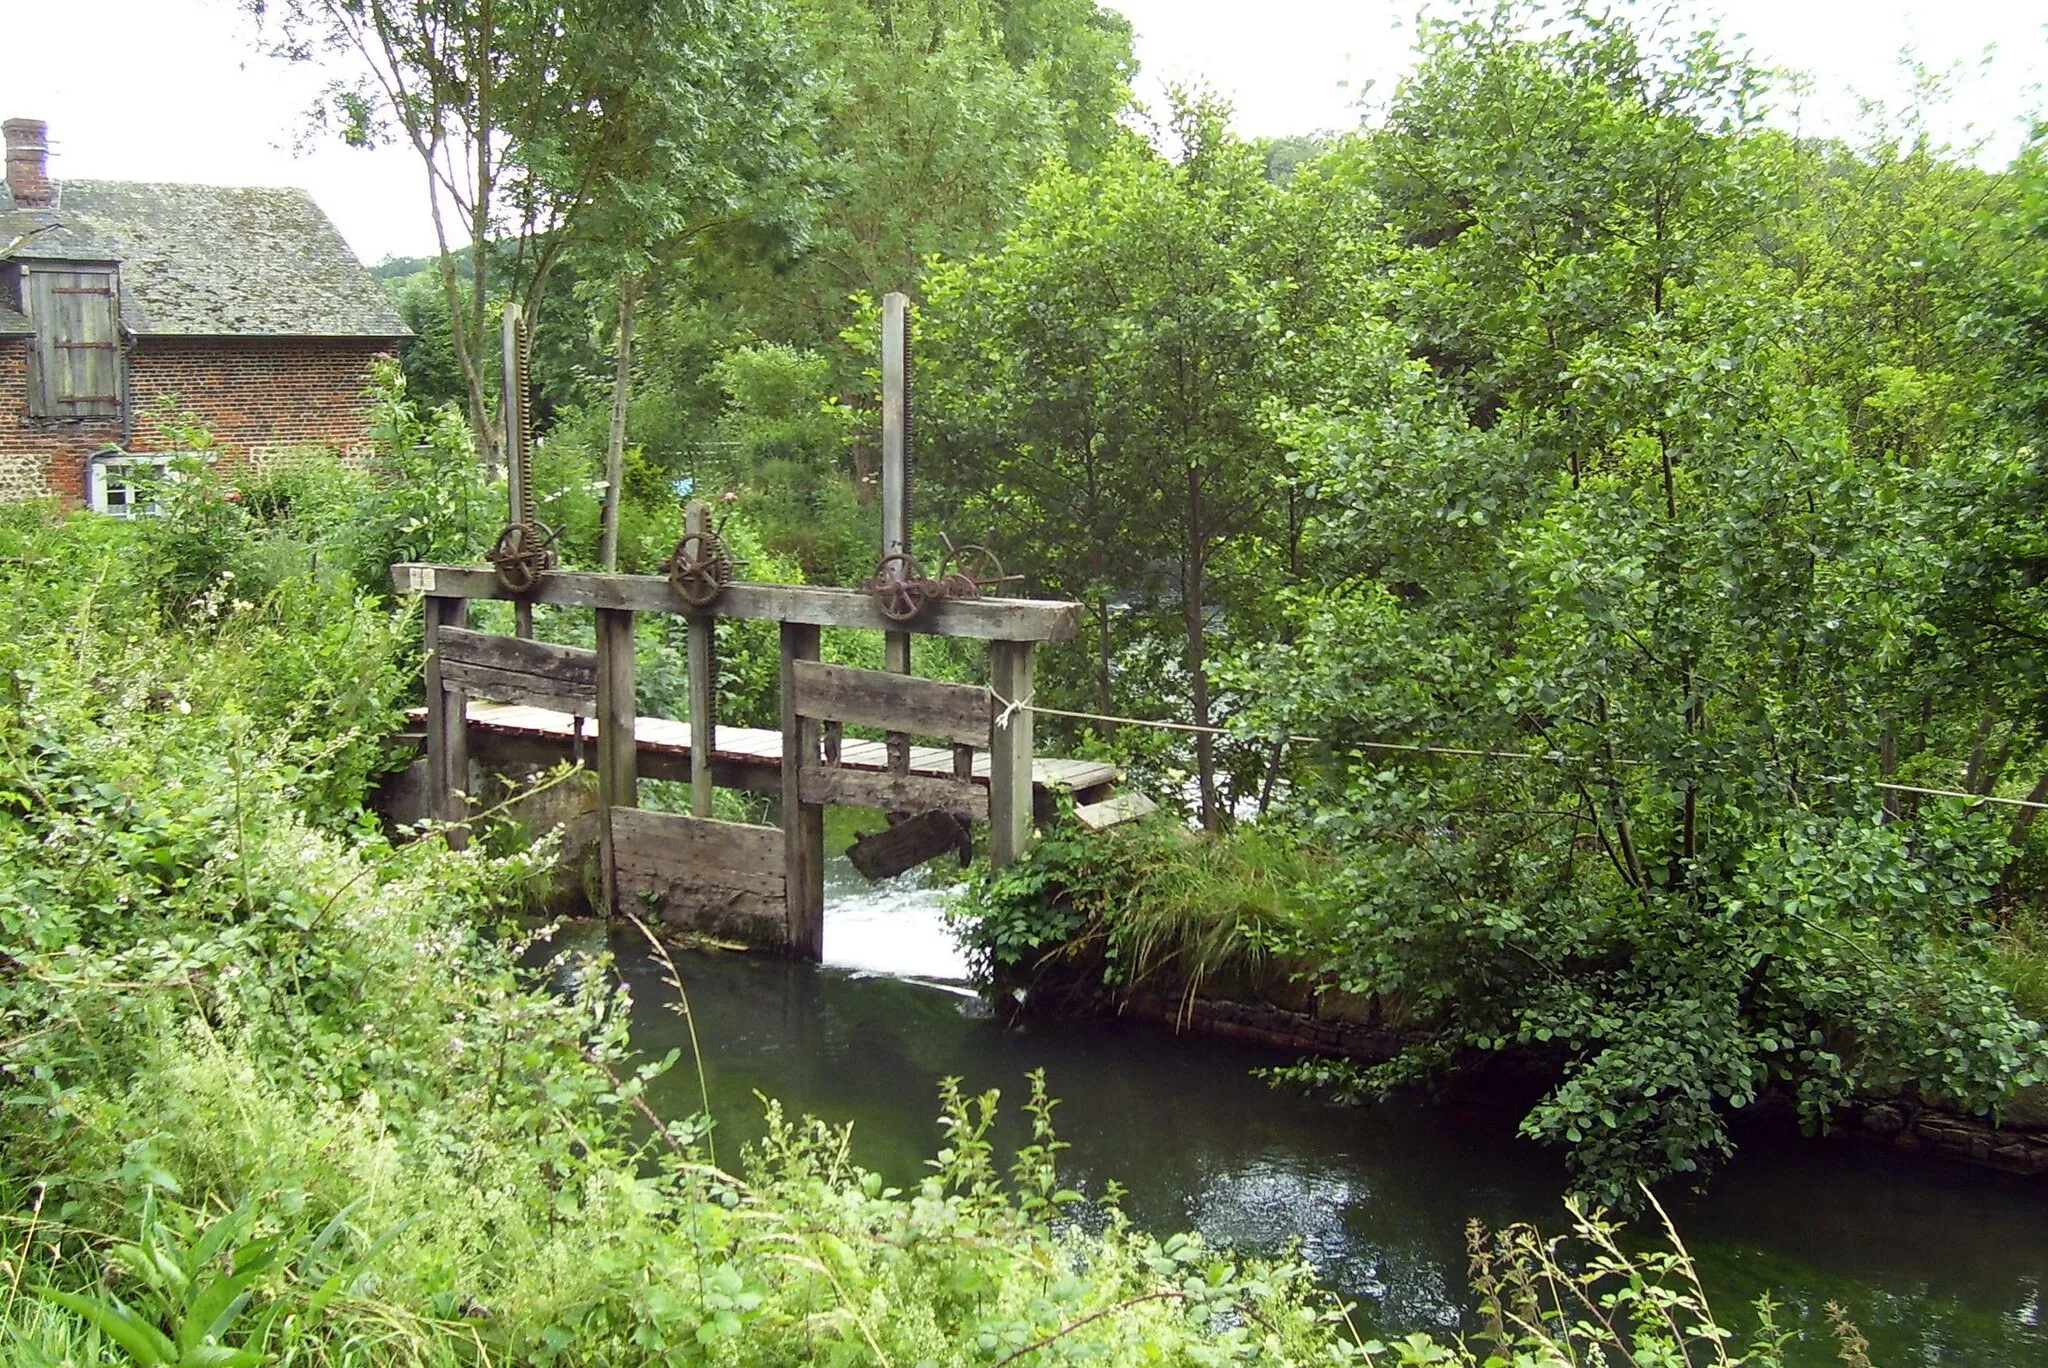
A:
(524, 550)
(700, 568)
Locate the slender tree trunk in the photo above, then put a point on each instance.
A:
(1193, 590)
(615, 444)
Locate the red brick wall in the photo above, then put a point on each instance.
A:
(257, 395)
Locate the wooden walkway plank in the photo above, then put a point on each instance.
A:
(763, 746)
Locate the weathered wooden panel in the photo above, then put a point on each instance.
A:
(1114, 811)
(722, 879)
(983, 619)
(894, 792)
(803, 818)
(730, 854)
(515, 671)
(75, 356)
(897, 849)
(893, 702)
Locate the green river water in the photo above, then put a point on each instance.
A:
(1938, 1264)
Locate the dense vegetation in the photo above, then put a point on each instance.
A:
(280, 1090)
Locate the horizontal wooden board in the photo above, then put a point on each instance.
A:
(662, 740)
(990, 619)
(698, 851)
(1114, 811)
(893, 702)
(894, 792)
(897, 849)
(518, 671)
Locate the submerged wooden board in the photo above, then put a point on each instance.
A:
(722, 879)
(749, 747)
(990, 619)
(899, 703)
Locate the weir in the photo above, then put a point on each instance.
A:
(510, 700)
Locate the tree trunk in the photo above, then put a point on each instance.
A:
(615, 444)
(1193, 589)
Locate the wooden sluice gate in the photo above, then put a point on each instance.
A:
(509, 701)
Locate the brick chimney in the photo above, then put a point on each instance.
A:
(28, 163)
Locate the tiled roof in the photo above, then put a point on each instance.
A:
(13, 324)
(210, 261)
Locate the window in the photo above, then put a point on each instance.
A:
(125, 486)
(75, 361)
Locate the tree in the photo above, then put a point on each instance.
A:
(1101, 376)
(530, 115)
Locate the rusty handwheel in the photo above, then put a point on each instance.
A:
(900, 587)
(700, 568)
(520, 555)
(971, 571)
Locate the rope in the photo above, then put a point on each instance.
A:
(1025, 704)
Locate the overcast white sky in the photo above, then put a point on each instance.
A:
(174, 90)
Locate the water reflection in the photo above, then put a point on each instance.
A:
(1938, 1265)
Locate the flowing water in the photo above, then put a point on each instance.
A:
(1937, 1264)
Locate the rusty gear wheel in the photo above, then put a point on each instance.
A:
(700, 568)
(900, 587)
(522, 553)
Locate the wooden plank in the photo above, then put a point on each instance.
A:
(803, 820)
(982, 619)
(1009, 776)
(701, 849)
(897, 849)
(447, 725)
(517, 671)
(618, 752)
(703, 695)
(897, 703)
(1115, 811)
(894, 792)
(517, 686)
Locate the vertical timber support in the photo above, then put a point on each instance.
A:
(618, 756)
(447, 725)
(703, 688)
(896, 481)
(512, 405)
(803, 824)
(1011, 673)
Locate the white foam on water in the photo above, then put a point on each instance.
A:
(895, 927)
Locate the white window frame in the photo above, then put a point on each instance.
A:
(101, 485)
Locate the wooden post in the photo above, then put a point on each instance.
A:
(703, 688)
(803, 824)
(618, 757)
(512, 404)
(896, 480)
(1011, 667)
(447, 725)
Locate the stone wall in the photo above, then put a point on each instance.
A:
(259, 396)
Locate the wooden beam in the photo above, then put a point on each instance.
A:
(895, 792)
(1009, 770)
(982, 619)
(897, 703)
(491, 665)
(1114, 811)
(803, 820)
(618, 753)
(896, 849)
(447, 724)
(896, 480)
(703, 688)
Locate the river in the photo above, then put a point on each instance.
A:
(1938, 1264)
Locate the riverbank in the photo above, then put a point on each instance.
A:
(1248, 938)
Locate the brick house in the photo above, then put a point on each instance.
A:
(241, 306)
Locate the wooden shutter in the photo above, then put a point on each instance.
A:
(75, 364)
